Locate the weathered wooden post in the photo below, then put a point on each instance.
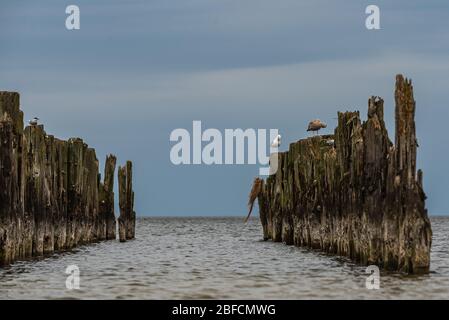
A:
(127, 218)
(107, 198)
(13, 241)
(51, 197)
(359, 196)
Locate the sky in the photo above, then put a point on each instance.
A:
(136, 70)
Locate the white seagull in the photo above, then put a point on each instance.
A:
(34, 121)
(276, 142)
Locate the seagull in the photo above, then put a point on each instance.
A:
(316, 125)
(34, 121)
(276, 142)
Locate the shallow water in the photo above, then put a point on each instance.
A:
(202, 258)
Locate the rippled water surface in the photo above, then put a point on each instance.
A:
(202, 258)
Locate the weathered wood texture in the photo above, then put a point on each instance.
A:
(361, 198)
(51, 196)
(107, 198)
(127, 218)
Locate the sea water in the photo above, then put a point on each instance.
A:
(216, 258)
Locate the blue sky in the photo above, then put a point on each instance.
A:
(139, 69)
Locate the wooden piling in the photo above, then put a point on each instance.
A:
(361, 198)
(51, 194)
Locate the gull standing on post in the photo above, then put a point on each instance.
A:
(276, 142)
(34, 121)
(316, 125)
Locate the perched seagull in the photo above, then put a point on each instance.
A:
(276, 142)
(316, 125)
(34, 121)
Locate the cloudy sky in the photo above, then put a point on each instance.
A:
(136, 70)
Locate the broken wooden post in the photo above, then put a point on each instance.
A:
(15, 241)
(127, 218)
(107, 198)
(361, 198)
(51, 197)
